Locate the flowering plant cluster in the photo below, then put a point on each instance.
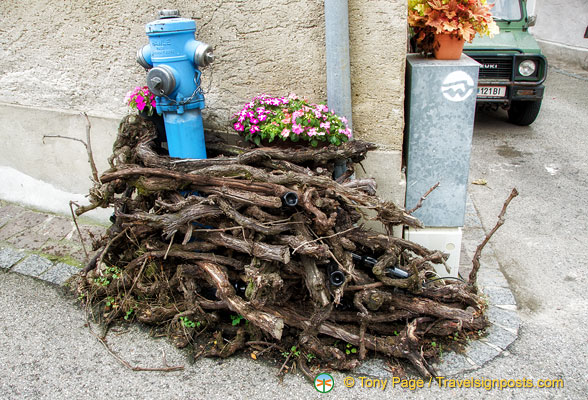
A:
(290, 118)
(463, 18)
(141, 99)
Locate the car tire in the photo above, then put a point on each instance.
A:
(524, 112)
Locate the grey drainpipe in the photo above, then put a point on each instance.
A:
(338, 68)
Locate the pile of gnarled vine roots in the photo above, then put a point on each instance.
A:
(257, 248)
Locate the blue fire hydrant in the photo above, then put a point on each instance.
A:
(173, 57)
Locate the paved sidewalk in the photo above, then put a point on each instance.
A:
(48, 247)
(42, 245)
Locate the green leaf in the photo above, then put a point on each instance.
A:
(257, 140)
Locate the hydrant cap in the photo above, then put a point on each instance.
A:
(168, 14)
(170, 21)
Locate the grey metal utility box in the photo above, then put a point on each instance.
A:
(441, 104)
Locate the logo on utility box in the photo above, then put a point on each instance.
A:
(457, 86)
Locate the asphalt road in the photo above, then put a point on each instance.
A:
(542, 246)
(47, 352)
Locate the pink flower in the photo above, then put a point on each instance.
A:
(297, 114)
(140, 103)
(287, 118)
(285, 132)
(346, 132)
(262, 118)
(254, 121)
(326, 125)
(128, 97)
(239, 127)
(312, 132)
(254, 128)
(297, 129)
(153, 104)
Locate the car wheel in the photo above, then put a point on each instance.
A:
(524, 112)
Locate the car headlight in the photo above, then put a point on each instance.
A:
(527, 68)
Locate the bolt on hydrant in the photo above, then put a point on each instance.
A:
(173, 57)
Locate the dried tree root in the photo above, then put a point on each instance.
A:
(200, 246)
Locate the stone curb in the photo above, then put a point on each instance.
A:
(502, 308)
(33, 265)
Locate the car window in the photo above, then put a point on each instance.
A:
(509, 10)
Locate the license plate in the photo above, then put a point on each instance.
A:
(491, 91)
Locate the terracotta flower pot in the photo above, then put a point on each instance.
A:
(447, 46)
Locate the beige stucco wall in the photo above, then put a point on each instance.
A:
(377, 33)
(72, 56)
(560, 33)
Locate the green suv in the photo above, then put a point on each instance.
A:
(512, 68)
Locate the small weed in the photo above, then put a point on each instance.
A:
(438, 347)
(128, 314)
(102, 281)
(349, 349)
(188, 323)
(310, 357)
(112, 272)
(110, 302)
(293, 351)
(236, 319)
